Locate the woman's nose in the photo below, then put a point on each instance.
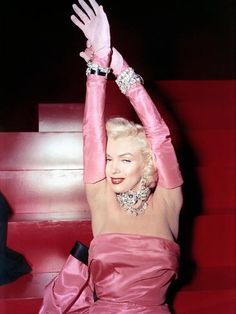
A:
(114, 168)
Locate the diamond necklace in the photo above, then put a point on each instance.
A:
(128, 199)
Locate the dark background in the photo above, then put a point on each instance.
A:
(162, 40)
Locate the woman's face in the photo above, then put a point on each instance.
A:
(125, 164)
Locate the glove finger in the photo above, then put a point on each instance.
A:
(85, 56)
(94, 5)
(88, 44)
(84, 18)
(87, 9)
(77, 22)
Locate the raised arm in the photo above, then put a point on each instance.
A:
(169, 175)
(93, 22)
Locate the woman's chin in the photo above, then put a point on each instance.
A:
(118, 188)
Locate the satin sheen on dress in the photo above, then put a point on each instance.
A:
(131, 274)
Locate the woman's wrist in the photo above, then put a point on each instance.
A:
(99, 62)
(102, 57)
(93, 68)
(127, 79)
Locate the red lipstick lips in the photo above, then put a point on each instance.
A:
(116, 180)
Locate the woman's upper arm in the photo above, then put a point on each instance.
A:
(95, 193)
(173, 198)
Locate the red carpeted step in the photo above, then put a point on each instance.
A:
(212, 290)
(217, 187)
(24, 296)
(60, 117)
(52, 191)
(23, 306)
(40, 151)
(206, 302)
(212, 278)
(213, 243)
(46, 244)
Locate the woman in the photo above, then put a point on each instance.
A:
(133, 187)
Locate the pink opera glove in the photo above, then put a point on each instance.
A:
(70, 291)
(94, 134)
(89, 55)
(118, 64)
(158, 134)
(94, 24)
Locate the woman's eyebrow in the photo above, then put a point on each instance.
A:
(126, 154)
(122, 155)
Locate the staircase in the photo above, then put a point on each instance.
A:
(41, 177)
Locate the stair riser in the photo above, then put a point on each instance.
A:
(44, 191)
(208, 302)
(40, 151)
(213, 242)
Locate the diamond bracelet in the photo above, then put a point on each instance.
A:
(127, 79)
(93, 68)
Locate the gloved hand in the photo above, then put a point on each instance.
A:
(94, 24)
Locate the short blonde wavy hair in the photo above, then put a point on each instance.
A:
(121, 127)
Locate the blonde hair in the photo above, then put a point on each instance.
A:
(120, 127)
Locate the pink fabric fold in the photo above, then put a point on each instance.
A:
(70, 291)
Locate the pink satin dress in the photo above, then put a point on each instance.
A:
(130, 273)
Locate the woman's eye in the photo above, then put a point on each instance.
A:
(126, 160)
(108, 159)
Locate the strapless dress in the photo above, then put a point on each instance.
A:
(130, 274)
